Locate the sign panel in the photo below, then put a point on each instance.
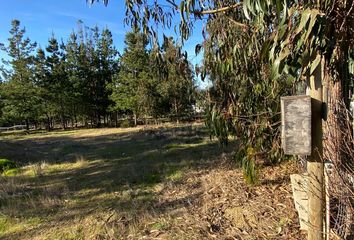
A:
(296, 125)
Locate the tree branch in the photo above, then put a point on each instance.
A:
(242, 25)
(213, 11)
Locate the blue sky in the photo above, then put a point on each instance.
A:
(42, 17)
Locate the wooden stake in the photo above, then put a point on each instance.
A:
(315, 164)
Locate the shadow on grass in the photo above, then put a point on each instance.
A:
(119, 174)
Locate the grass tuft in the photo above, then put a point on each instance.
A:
(6, 164)
(11, 172)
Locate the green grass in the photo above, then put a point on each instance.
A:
(6, 164)
(71, 184)
(10, 172)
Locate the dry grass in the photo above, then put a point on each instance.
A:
(156, 183)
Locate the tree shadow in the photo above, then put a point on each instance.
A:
(121, 173)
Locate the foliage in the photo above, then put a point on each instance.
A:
(125, 124)
(146, 87)
(64, 81)
(91, 64)
(19, 91)
(82, 80)
(134, 75)
(52, 81)
(176, 81)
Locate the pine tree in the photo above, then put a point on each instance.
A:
(108, 66)
(57, 83)
(75, 99)
(41, 78)
(128, 87)
(21, 98)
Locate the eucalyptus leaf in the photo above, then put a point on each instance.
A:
(315, 63)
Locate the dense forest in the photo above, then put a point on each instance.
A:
(84, 80)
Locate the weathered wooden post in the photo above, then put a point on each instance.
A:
(302, 135)
(315, 162)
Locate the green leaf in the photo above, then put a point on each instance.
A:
(278, 7)
(315, 63)
(265, 49)
(314, 14)
(282, 30)
(182, 11)
(275, 69)
(305, 16)
(245, 10)
(285, 13)
(284, 53)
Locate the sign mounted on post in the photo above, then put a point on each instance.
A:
(296, 125)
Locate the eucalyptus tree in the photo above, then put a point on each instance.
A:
(177, 84)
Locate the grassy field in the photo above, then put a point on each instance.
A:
(137, 183)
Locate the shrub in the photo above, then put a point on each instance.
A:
(126, 123)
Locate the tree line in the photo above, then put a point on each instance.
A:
(85, 80)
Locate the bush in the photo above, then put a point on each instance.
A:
(6, 164)
(126, 123)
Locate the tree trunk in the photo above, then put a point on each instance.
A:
(51, 122)
(98, 124)
(176, 111)
(135, 120)
(62, 122)
(48, 127)
(27, 124)
(337, 135)
(333, 132)
(338, 98)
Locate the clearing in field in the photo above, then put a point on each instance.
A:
(138, 183)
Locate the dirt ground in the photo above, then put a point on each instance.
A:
(142, 183)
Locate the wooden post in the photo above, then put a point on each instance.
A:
(315, 164)
(328, 168)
